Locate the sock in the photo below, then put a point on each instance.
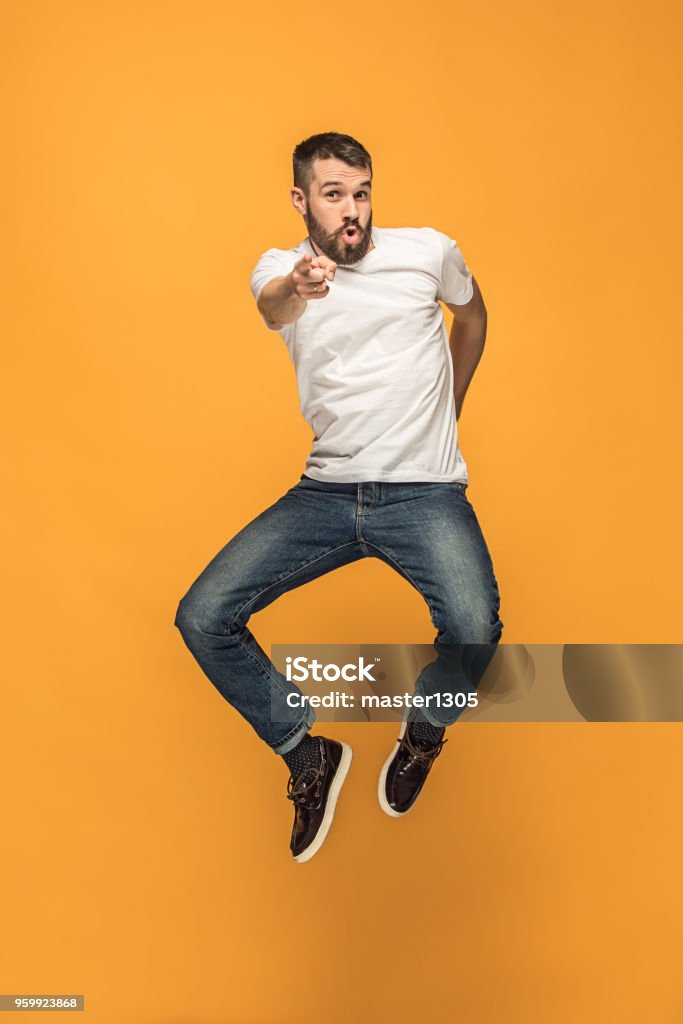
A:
(423, 734)
(305, 755)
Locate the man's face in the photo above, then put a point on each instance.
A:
(338, 211)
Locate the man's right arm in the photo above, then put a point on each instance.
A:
(279, 303)
(284, 299)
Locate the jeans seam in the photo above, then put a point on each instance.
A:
(288, 576)
(410, 579)
(359, 520)
(272, 681)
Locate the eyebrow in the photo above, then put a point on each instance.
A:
(341, 183)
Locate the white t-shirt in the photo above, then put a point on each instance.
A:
(372, 359)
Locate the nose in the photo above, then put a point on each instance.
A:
(350, 209)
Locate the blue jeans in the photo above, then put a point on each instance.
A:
(427, 532)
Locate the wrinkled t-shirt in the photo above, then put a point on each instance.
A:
(372, 359)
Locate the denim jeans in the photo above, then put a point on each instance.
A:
(427, 532)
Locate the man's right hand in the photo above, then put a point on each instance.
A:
(310, 275)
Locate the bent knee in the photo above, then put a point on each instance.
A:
(475, 625)
(202, 612)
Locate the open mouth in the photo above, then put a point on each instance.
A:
(351, 235)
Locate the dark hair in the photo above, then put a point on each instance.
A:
(323, 147)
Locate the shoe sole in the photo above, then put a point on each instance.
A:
(382, 787)
(335, 789)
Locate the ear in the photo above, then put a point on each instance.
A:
(298, 200)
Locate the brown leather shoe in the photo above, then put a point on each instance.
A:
(314, 795)
(404, 773)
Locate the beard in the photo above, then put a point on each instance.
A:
(334, 246)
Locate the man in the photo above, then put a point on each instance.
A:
(358, 308)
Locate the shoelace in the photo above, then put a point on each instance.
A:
(416, 753)
(298, 790)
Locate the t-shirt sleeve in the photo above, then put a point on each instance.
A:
(455, 285)
(272, 264)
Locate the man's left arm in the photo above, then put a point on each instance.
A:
(466, 340)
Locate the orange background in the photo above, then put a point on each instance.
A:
(150, 415)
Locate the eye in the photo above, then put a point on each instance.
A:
(328, 195)
(362, 194)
